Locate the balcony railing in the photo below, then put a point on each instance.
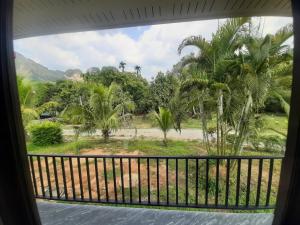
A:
(229, 182)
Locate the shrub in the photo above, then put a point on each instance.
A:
(273, 143)
(46, 133)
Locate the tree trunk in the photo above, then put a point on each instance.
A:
(105, 134)
(204, 126)
(220, 130)
(165, 138)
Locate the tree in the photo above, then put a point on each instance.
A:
(178, 108)
(104, 110)
(164, 120)
(122, 66)
(26, 94)
(126, 104)
(162, 89)
(213, 59)
(196, 90)
(137, 69)
(255, 67)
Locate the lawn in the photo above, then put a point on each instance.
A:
(272, 121)
(145, 147)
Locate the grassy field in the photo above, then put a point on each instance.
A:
(273, 121)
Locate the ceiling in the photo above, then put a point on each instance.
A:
(42, 17)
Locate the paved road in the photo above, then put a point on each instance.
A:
(74, 214)
(151, 133)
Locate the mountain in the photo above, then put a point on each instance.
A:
(34, 71)
(73, 74)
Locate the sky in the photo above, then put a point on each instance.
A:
(154, 47)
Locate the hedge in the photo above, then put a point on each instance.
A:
(46, 133)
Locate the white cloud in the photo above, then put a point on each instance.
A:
(155, 49)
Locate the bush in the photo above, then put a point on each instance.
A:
(46, 133)
(273, 143)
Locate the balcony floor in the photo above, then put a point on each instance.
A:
(76, 214)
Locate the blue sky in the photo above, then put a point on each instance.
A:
(154, 47)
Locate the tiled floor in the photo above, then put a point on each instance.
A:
(76, 214)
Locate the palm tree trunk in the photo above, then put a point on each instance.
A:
(204, 125)
(165, 138)
(220, 130)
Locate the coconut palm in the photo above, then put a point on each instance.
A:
(164, 120)
(104, 110)
(122, 65)
(137, 68)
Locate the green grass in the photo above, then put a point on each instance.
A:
(63, 148)
(147, 147)
(276, 122)
(153, 147)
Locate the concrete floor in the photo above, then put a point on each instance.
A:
(75, 214)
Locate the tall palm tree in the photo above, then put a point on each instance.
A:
(164, 120)
(137, 69)
(198, 89)
(122, 65)
(213, 58)
(256, 64)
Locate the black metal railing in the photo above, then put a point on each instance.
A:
(230, 182)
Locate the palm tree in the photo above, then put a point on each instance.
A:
(122, 66)
(213, 58)
(164, 120)
(26, 94)
(100, 111)
(178, 107)
(137, 69)
(197, 90)
(255, 68)
(105, 111)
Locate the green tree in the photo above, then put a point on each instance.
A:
(164, 120)
(26, 94)
(256, 64)
(105, 111)
(162, 89)
(137, 68)
(122, 66)
(178, 107)
(213, 59)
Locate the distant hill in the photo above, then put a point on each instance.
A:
(34, 71)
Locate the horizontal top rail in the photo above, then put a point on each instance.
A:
(156, 157)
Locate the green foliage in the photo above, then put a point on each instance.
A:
(105, 113)
(273, 143)
(133, 84)
(164, 121)
(162, 89)
(26, 94)
(45, 133)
